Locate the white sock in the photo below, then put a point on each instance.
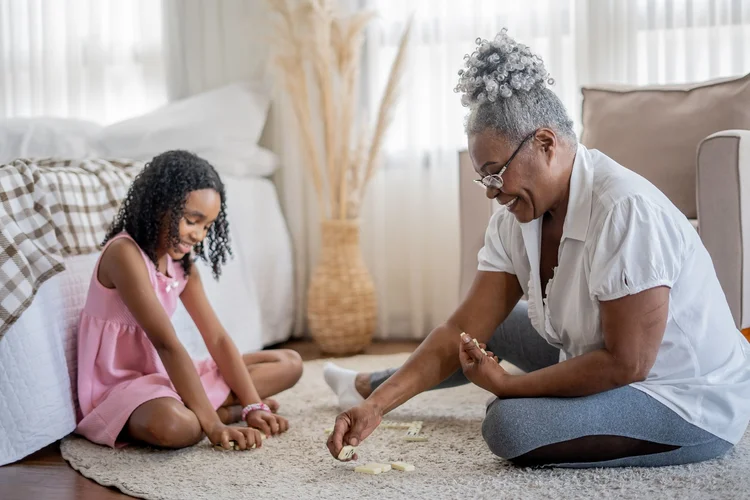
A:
(341, 382)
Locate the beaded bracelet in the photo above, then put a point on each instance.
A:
(253, 407)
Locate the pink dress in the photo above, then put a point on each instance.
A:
(118, 366)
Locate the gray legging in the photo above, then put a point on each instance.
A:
(514, 427)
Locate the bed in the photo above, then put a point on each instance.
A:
(254, 298)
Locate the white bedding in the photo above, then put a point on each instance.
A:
(253, 299)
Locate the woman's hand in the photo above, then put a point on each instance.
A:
(245, 437)
(481, 369)
(352, 427)
(268, 423)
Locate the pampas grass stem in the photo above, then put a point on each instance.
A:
(313, 35)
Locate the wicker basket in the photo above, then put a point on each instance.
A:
(341, 305)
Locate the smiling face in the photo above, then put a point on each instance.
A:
(201, 210)
(526, 180)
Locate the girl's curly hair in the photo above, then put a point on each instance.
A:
(159, 192)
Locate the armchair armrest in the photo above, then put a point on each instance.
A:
(723, 200)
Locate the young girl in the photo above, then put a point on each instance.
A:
(136, 382)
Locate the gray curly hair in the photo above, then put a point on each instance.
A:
(504, 87)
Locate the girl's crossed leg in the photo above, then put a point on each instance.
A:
(168, 423)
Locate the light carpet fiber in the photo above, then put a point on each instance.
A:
(454, 463)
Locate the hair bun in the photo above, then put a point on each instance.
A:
(497, 68)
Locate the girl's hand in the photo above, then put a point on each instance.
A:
(268, 423)
(245, 437)
(272, 404)
(483, 370)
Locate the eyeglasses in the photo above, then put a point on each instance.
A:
(496, 180)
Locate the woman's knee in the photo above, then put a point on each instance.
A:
(168, 426)
(503, 429)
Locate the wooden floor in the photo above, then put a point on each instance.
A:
(45, 475)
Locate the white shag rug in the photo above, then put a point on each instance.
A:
(453, 463)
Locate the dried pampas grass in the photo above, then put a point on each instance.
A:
(315, 41)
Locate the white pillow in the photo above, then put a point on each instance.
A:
(222, 125)
(47, 137)
(246, 161)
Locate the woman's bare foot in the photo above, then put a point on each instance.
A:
(362, 384)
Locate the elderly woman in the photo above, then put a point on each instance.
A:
(630, 353)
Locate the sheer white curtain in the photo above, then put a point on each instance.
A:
(210, 43)
(410, 226)
(667, 41)
(99, 60)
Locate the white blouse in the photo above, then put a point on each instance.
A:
(621, 236)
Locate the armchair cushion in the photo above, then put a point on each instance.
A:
(656, 130)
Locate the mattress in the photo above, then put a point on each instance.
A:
(254, 300)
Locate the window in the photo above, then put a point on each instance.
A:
(99, 60)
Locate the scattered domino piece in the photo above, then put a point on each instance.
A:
(382, 467)
(402, 466)
(415, 439)
(347, 452)
(414, 429)
(329, 430)
(376, 468)
(390, 424)
(368, 469)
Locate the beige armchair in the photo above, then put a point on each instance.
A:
(723, 200)
(723, 206)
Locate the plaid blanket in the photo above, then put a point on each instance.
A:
(52, 209)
